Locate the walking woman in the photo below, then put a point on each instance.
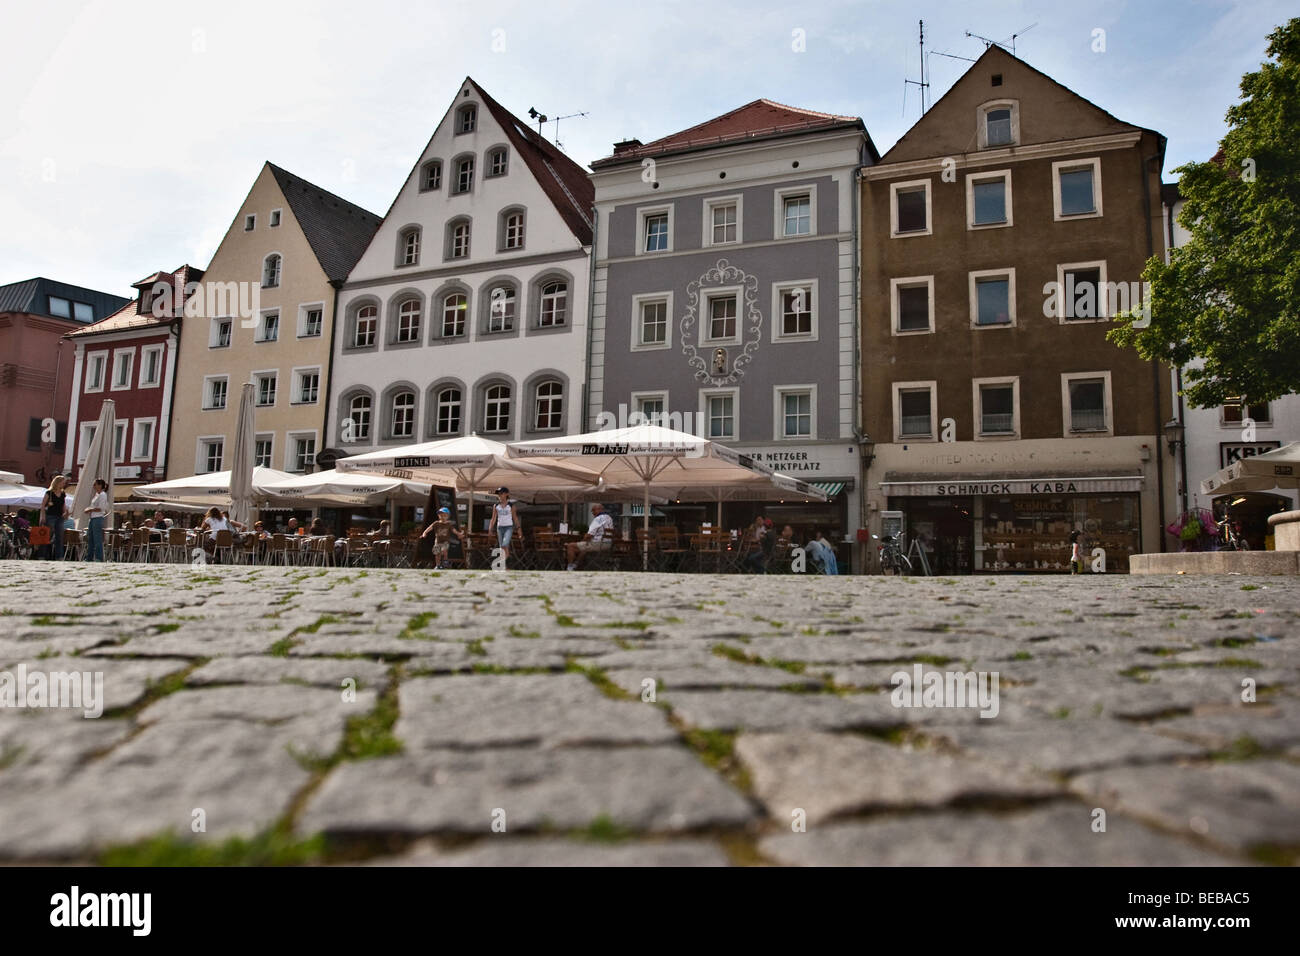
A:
(98, 511)
(54, 509)
(504, 520)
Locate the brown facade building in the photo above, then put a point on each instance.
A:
(998, 236)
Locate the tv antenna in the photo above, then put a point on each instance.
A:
(542, 118)
(1009, 43)
(558, 144)
(925, 86)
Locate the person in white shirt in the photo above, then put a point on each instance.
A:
(98, 511)
(505, 519)
(599, 537)
(212, 523)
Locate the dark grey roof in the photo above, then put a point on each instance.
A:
(33, 296)
(337, 230)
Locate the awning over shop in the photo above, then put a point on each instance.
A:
(829, 488)
(902, 485)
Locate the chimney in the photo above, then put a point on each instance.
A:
(627, 146)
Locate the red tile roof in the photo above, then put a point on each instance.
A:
(565, 183)
(760, 119)
(127, 316)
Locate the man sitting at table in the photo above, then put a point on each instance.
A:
(599, 537)
(160, 522)
(292, 527)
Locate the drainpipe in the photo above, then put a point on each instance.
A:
(585, 421)
(864, 549)
(176, 325)
(1158, 430)
(329, 369)
(1178, 372)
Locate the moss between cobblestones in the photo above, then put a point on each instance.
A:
(600, 679)
(414, 629)
(736, 654)
(156, 690)
(603, 830)
(1243, 748)
(9, 753)
(716, 749)
(270, 848)
(1272, 854)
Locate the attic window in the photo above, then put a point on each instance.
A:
(997, 79)
(466, 119)
(249, 223)
(275, 218)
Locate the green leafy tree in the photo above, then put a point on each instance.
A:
(1231, 295)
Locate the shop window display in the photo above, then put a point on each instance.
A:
(1033, 534)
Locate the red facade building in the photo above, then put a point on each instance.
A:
(129, 357)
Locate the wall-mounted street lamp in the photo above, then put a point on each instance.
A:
(1174, 435)
(868, 452)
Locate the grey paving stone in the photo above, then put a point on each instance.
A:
(124, 682)
(511, 709)
(648, 789)
(324, 672)
(829, 774)
(709, 673)
(256, 703)
(1049, 836)
(1065, 745)
(779, 710)
(501, 850)
(1235, 805)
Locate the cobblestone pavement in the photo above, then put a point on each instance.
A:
(503, 718)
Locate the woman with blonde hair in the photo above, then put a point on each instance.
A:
(54, 509)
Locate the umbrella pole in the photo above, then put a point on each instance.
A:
(645, 524)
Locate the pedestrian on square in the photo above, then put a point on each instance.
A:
(504, 520)
(54, 510)
(1076, 553)
(753, 551)
(441, 529)
(97, 511)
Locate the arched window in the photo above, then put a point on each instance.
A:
(458, 239)
(367, 321)
(464, 174)
(555, 304)
(466, 119)
(359, 415)
(447, 405)
(431, 175)
(550, 406)
(502, 306)
(497, 160)
(496, 408)
(408, 321)
(512, 229)
(408, 247)
(454, 308)
(271, 271)
(403, 420)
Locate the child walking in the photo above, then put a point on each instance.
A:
(1076, 553)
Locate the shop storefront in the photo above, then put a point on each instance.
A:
(1019, 525)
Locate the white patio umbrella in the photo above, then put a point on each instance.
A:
(334, 487)
(20, 495)
(212, 488)
(653, 455)
(1279, 468)
(470, 464)
(11, 478)
(241, 462)
(98, 464)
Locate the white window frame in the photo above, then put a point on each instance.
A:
(297, 374)
(895, 310)
(260, 338)
(734, 394)
(201, 453)
(897, 389)
(985, 176)
(737, 200)
(348, 413)
(642, 299)
(1245, 412)
(779, 392)
(118, 355)
(145, 352)
(91, 358)
(779, 197)
(291, 449)
(303, 309)
(978, 423)
(1067, 411)
(462, 407)
(119, 434)
(265, 436)
(645, 213)
(1103, 292)
(778, 312)
(207, 393)
(255, 377)
(982, 126)
(279, 278)
(87, 436)
(277, 216)
(214, 332)
(147, 455)
(894, 189)
(973, 279)
(1069, 164)
(706, 314)
(636, 399)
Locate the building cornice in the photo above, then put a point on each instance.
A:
(1012, 154)
(487, 266)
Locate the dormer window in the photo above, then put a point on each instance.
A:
(466, 119)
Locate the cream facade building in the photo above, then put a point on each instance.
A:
(265, 315)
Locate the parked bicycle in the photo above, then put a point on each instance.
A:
(891, 555)
(1230, 538)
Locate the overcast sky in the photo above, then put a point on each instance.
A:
(132, 129)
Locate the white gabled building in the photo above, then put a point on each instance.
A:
(468, 311)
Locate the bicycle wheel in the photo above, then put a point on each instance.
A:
(904, 564)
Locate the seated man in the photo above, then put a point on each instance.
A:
(820, 550)
(599, 537)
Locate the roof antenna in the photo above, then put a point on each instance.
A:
(925, 87)
(558, 144)
(543, 118)
(1003, 43)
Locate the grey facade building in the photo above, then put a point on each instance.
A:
(725, 296)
